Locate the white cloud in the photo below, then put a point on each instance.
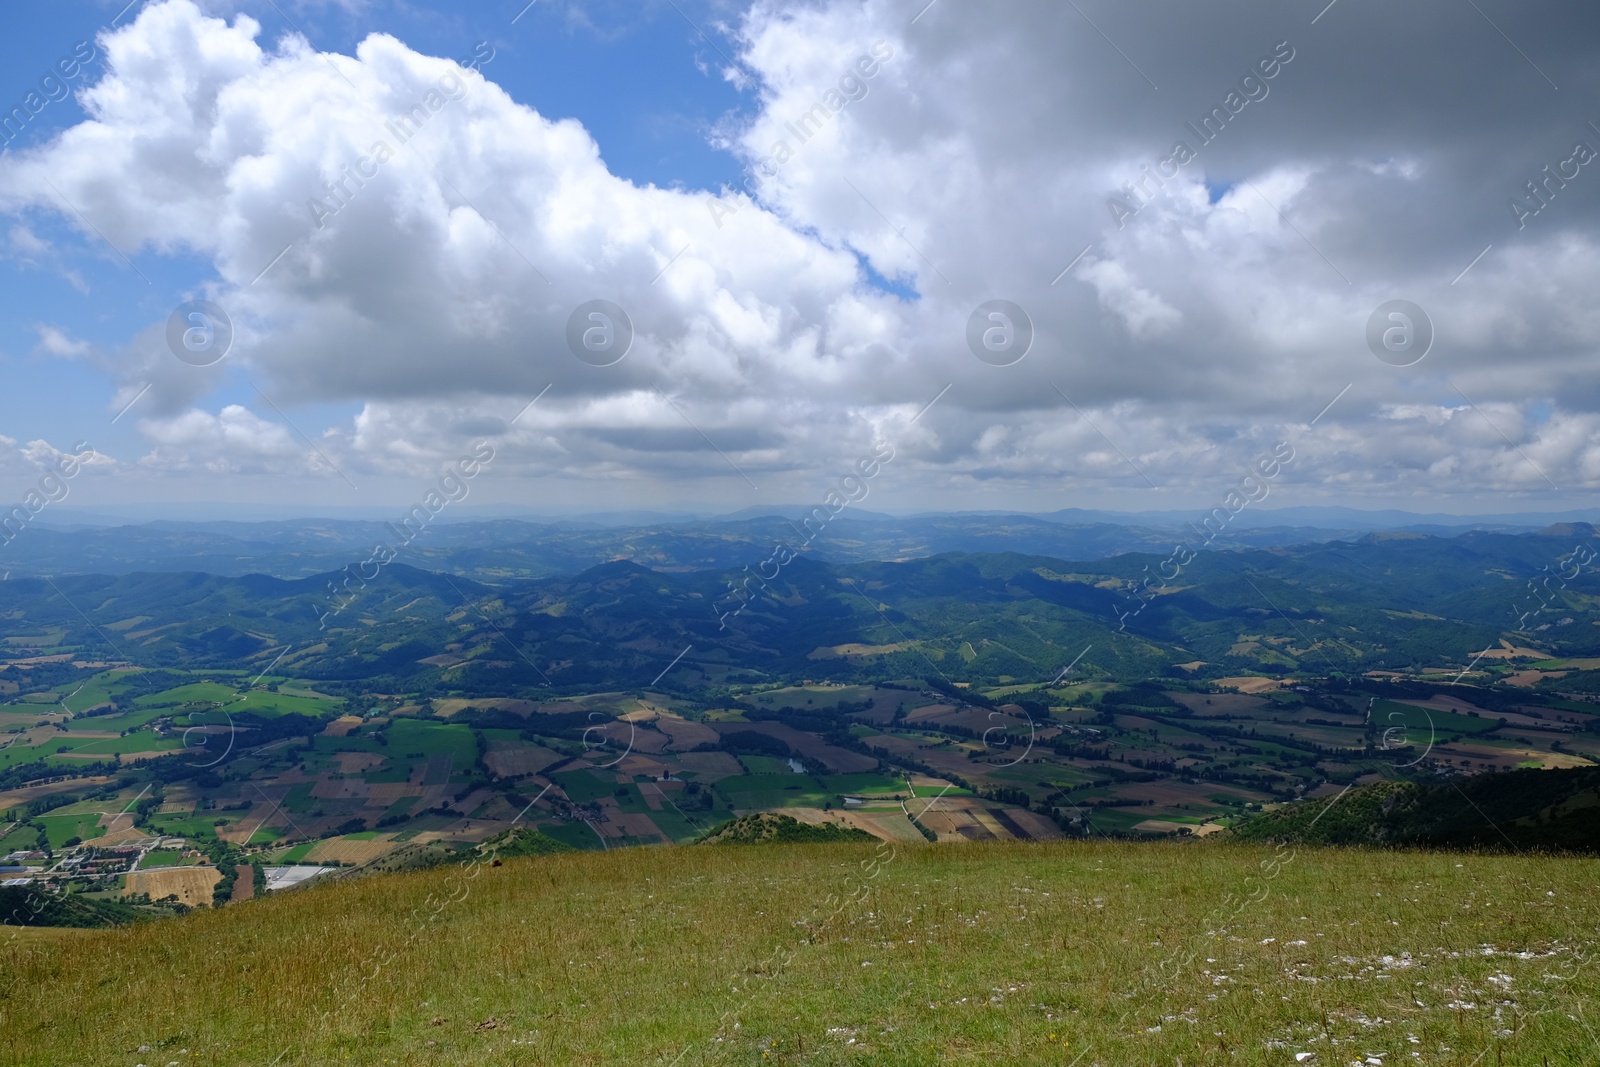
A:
(974, 162)
(24, 242)
(233, 441)
(54, 342)
(1144, 314)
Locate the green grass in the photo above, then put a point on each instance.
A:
(405, 736)
(183, 694)
(109, 724)
(864, 784)
(1114, 820)
(105, 747)
(683, 828)
(200, 826)
(582, 787)
(970, 954)
(434, 738)
(61, 828)
(296, 854)
(95, 690)
(753, 792)
(761, 783)
(262, 702)
(940, 791)
(818, 698)
(19, 753)
(161, 857)
(766, 765)
(326, 746)
(299, 800)
(399, 807)
(1024, 774)
(771, 801)
(571, 833)
(631, 800)
(1582, 706)
(1415, 720)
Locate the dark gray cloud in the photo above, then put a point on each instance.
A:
(981, 152)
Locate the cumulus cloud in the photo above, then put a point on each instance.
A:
(54, 342)
(394, 234)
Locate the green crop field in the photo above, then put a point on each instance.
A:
(96, 690)
(432, 738)
(195, 691)
(940, 791)
(765, 765)
(296, 854)
(577, 835)
(63, 827)
(1071, 953)
(129, 720)
(198, 827)
(751, 792)
(820, 697)
(73, 749)
(581, 787)
(16, 753)
(1417, 722)
(864, 784)
(161, 857)
(753, 783)
(683, 827)
(105, 747)
(298, 799)
(262, 702)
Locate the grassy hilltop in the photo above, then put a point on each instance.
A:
(1081, 953)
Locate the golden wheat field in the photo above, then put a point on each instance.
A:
(191, 885)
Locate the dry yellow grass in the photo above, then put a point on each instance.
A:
(344, 850)
(191, 885)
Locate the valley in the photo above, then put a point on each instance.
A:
(954, 698)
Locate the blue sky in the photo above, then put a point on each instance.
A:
(644, 76)
(639, 74)
(920, 166)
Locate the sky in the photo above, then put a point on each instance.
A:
(706, 255)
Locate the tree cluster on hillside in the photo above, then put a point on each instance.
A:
(1516, 810)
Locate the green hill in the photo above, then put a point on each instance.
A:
(1061, 953)
(412, 856)
(1006, 615)
(1527, 809)
(22, 906)
(520, 841)
(768, 828)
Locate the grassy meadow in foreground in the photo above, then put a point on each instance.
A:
(1069, 953)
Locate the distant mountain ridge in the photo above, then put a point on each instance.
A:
(502, 548)
(1380, 602)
